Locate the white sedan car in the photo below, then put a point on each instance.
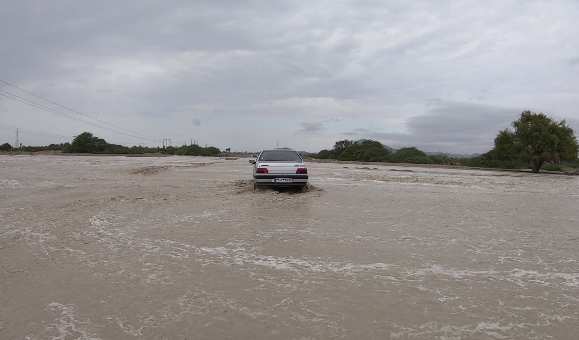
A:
(280, 168)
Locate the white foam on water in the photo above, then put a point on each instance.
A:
(136, 332)
(9, 183)
(570, 280)
(437, 269)
(240, 256)
(68, 326)
(435, 330)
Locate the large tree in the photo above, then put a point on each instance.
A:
(402, 155)
(537, 138)
(368, 151)
(87, 143)
(341, 145)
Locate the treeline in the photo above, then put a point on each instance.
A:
(536, 141)
(8, 147)
(492, 159)
(374, 151)
(86, 142)
(191, 150)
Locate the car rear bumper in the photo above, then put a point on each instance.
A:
(267, 179)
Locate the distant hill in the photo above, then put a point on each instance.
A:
(452, 155)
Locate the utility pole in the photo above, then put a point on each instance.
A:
(16, 145)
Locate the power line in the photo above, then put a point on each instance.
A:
(32, 132)
(80, 113)
(13, 128)
(42, 107)
(50, 135)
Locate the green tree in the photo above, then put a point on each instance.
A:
(5, 147)
(87, 143)
(537, 138)
(191, 150)
(419, 160)
(440, 159)
(212, 151)
(196, 150)
(368, 151)
(341, 146)
(325, 154)
(405, 154)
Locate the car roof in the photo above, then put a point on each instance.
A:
(282, 150)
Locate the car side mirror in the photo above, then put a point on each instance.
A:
(252, 161)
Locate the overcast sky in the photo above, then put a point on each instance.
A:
(439, 75)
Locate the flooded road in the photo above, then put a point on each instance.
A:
(183, 248)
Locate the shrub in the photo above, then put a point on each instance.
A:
(404, 154)
(121, 151)
(212, 151)
(486, 161)
(440, 159)
(325, 154)
(419, 160)
(5, 147)
(368, 151)
(553, 167)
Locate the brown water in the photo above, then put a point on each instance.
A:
(163, 248)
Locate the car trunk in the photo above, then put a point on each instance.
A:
(280, 167)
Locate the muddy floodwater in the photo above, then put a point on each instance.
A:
(183, 248)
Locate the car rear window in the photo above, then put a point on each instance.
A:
(280, 156)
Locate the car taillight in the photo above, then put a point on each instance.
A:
(302, 171)
(262, 171)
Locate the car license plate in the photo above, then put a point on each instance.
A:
(282, 180)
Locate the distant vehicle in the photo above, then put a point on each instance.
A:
(279, 168)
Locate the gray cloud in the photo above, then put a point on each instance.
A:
(359, 131)
(251, 65)
(333, 120)
(311, 127)
(463, 127)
